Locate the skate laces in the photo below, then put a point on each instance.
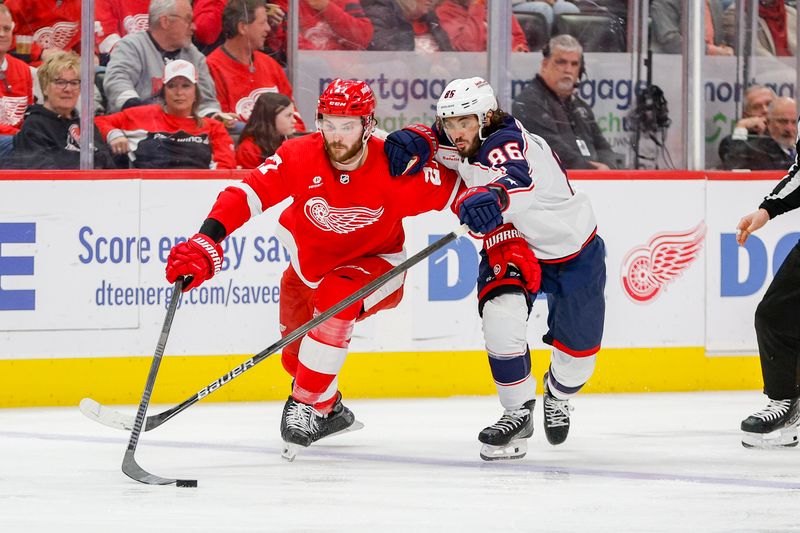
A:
(511, 420)
(556, 411)
(774, 410)
(302, 416)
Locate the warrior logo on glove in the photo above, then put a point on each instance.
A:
(505, 246)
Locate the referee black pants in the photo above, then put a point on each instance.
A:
(778, 331)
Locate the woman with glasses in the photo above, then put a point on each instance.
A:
(50, 134)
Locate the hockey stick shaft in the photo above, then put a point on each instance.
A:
(156, 420)
(129, 465)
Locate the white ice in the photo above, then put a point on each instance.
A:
(633, 462)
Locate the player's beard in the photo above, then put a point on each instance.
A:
(470, 150)
(346, 155)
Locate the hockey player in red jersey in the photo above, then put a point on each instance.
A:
(343, 229)
(16, 79)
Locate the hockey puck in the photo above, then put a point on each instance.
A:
(186, 483)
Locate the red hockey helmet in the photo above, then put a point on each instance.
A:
(347, 97)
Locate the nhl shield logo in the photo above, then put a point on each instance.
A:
(344, 179)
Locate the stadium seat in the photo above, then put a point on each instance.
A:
(535, 28)
(597, 33)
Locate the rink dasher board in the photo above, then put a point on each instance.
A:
(88, 252)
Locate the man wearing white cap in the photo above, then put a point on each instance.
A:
(170, 133)
(134, 72)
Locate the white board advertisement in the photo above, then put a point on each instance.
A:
(98, 287)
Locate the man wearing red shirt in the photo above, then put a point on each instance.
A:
(240, 71)
(117, 18)
(327, 25)
(464, 21)
(16, 80)
(343, 229)
(54, 24)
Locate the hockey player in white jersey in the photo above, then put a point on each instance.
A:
(519, 194)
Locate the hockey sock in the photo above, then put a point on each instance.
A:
(568, 374)
(322, 354)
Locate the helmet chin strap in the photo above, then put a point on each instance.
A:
(357, 162)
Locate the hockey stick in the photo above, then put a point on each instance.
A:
(115, 419)
(129, 465)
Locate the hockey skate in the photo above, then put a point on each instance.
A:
(302, 425)
(556, 416)
(775, 426)
(508, 437)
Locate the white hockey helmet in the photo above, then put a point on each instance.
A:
(467, 96)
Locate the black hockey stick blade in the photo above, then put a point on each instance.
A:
(129, 465)
(112, 418)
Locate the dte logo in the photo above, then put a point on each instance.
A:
(16, 232)
(755, 257)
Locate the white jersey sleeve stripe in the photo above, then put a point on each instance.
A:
(253, 201)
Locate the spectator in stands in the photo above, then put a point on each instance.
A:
(326, 25)
(774, 151)
(272, 122)
(17, 87)
(757, 99)
(777, 28)
(548, 107)
(54, 25)
(170, 134)
(666, 16)
(50, 134)
(208, 22)
(240, 71)
(117, 18)
(136, 67)
(464, 21)
(406, 25)
(549, 9)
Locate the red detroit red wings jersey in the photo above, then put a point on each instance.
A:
(336, 215)
(16, 94)
(117, 18)
(238, 87)
(52, 23)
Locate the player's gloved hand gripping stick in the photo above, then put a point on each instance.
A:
(115, 419)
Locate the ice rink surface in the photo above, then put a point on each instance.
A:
(633, 462)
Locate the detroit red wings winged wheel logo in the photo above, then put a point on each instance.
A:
(340, 219)
(56, 36)
(647, 269)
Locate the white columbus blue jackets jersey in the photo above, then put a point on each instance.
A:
(556, 220)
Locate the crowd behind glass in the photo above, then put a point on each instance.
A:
(203, 84)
